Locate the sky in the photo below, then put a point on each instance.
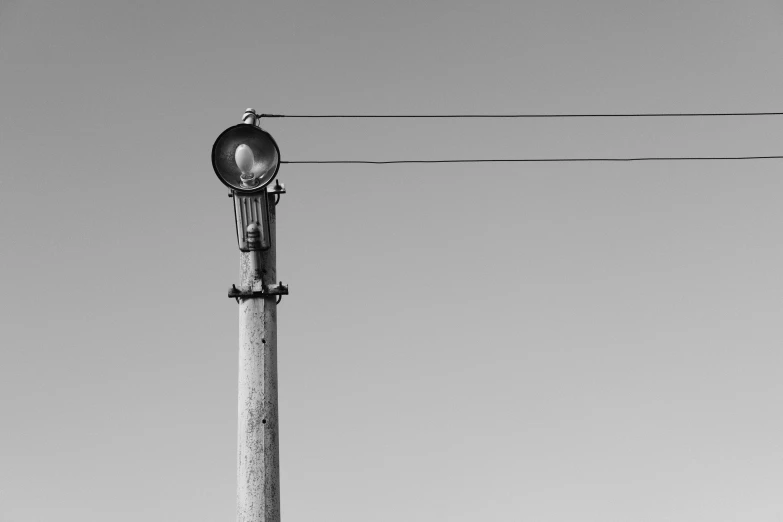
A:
(586, 342)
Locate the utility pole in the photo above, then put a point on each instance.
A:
(246, 159)
(258, 456)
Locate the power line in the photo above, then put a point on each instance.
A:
(536, 160)
(532, 160)
(615, 115)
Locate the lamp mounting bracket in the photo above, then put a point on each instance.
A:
(259, 290)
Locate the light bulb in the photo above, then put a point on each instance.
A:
(245, 161)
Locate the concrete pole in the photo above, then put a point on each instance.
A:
(258, 458)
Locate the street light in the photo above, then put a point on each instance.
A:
(246, 159)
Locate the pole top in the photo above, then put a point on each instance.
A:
(250, 117)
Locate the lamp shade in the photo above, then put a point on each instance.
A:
(245, 158)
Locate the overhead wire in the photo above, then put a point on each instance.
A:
(533, 115)
(536, 160)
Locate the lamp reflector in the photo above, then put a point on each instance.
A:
(245, 158)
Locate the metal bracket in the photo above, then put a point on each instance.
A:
(277, 189)
(259, 290)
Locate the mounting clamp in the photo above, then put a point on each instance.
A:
(259, 290)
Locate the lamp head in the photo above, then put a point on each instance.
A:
(245, 158)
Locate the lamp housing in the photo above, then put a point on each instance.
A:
(252, 209)
(246, 159)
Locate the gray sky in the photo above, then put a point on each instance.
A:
(542, 342)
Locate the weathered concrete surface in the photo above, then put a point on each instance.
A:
(258, 457)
